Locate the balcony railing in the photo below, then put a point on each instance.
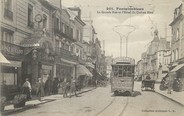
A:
(59, 32)
(65, 54)
(8, 14)
(30, 24)
(11, 49)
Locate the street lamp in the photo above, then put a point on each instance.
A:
(125, 36)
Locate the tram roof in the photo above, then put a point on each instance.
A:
(123, 64)
(123, 61)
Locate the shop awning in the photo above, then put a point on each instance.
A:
(82, 70)
(177, 68)
(164, 75)
(3, 59)
(164, 68)
(90, 65)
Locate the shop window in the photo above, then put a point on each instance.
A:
(9, 74)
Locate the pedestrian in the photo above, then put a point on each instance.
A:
(4, 89)
(73, 87)
(39, 88)
(55, 85)
(148, 77)
(48, 86)
(26, 89)
(65, 87)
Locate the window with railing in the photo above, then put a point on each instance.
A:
(7, 36)
(78, 34)
(8, 9)
(67, 30)
(30, 16)
(71, 32)
(63, 27)
(57, 24)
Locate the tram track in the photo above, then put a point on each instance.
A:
(105, 109)
(124, 108)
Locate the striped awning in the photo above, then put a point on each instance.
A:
(3, 59)
(82, 70)
(90, 65)
(164, 75)
(177, 68)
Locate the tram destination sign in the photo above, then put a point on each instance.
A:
(124, 60)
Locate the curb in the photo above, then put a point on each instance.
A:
(86, 91)
(170, 99)
(24, 108)
(32, 106)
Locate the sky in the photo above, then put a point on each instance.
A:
(141, 23)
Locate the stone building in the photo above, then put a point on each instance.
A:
(26, 36)
(139, 70)
(177, 45)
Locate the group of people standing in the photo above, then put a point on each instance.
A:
(50, 87)
(69, 87)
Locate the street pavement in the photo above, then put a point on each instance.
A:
(9, 109)
(175, 96)
(101, 102)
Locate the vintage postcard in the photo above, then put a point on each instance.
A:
(92, 57)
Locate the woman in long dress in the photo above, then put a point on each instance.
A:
(27, 89)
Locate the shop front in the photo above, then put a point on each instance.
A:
(65, 69)
(12, 68)
(176, 78)
(39, 60)
(84, 76)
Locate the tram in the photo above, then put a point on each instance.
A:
(122, 77)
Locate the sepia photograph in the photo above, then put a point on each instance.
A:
(92, 57)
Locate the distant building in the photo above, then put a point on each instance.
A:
(109, 60)
(154, 59)
(139, 70)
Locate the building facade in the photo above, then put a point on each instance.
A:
(177, 45)
(26, 40)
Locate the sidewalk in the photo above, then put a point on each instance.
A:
(30, 104)
(177, 97)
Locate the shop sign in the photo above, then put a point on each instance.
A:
(12, 49)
